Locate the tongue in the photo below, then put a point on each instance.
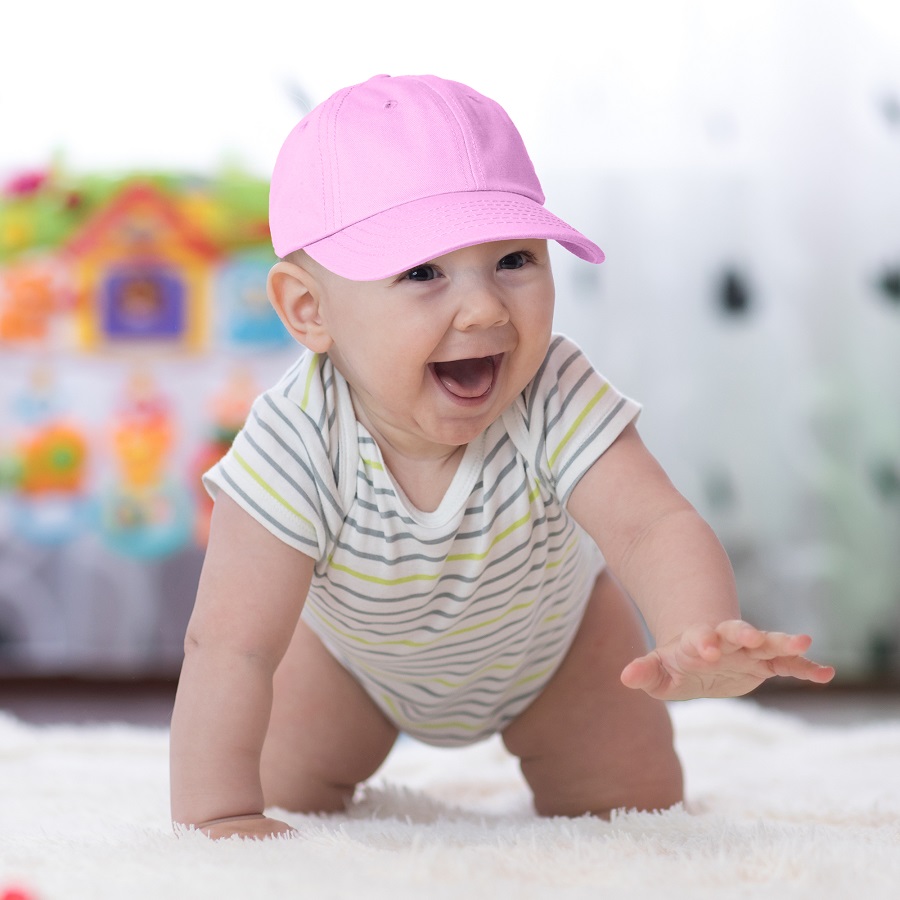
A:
(466, 377)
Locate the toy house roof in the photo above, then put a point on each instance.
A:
(140, 201)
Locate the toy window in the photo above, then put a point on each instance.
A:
(143, 303)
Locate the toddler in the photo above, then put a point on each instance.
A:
(438, 519)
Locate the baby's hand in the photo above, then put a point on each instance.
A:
(726, 661)
(252, 827)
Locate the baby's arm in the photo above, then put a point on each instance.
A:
(250, 596)
(678, 574)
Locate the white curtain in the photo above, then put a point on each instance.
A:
(747, 193)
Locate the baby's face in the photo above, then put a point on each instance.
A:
(434, 356)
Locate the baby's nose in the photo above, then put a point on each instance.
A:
(481, 307)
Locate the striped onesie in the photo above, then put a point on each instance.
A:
(452, 620)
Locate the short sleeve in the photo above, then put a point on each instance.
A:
(284, 464)
(568, 416)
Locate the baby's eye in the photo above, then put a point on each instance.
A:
(515, 260)
(421, 273)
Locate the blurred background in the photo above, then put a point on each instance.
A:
(738, 162)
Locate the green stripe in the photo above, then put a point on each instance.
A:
(268, 488)
(453, 557)
(474, 679)
(568, 435)
(553, 563)
(419, 644)
(444, 682)
(425, 726)
(456, 557)
(374, 579)
(476, 676)
(534, 677)
(314, 365)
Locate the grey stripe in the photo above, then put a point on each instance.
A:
(443, 538)
(507, 631)
(274, 466)
(437, 592)
(449, 652)
(593, 436)
(263, 514)
(323, 488)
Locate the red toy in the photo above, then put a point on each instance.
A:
(17, 893)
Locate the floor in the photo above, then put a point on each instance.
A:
(76, 701)
(149, 703)
(835, 707)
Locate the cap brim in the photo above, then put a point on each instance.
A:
(408, 235)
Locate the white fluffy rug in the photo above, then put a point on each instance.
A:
(776, 808)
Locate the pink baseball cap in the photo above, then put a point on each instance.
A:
(388, 174)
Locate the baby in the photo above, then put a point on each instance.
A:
(437, 521)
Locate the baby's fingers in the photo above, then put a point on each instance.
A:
(739, 635)
(777, 644)
(783, 653)
(802, 668)
(736, 634)
(703, 642)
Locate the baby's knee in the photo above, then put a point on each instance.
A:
(561, 789)
(308, 795)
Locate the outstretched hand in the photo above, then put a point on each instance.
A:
(728, 660)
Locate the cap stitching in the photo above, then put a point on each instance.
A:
(337, 209)
(463, 153)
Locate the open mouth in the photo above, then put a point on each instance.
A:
(467, 379)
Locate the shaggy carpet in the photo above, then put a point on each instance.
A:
(776, 807)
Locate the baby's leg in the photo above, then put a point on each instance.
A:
(588, 744)
(325, 734)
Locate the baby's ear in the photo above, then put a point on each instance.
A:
(294, 293)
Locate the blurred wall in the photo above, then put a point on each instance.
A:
(740, 164)
(751, 300)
